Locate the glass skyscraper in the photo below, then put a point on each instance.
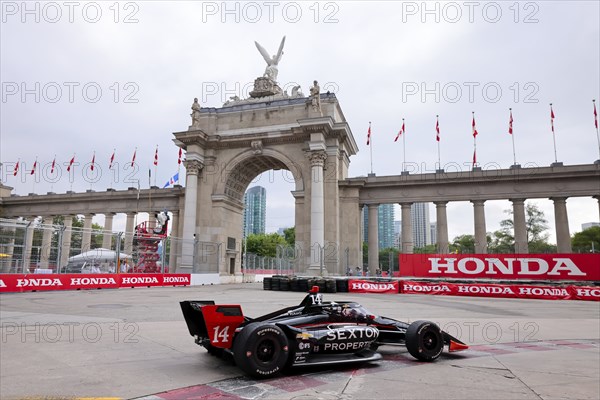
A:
(385, 227)
(255, 210)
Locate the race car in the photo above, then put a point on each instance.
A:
(314, 332)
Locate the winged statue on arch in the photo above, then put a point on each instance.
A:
(271, 70)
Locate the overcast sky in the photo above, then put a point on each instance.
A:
(96, 77)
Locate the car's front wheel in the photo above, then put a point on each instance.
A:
(261, 350)
(424, 340)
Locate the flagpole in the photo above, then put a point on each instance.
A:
(597, 133)
(553, 135)
(149, 194)
(74, 154)
(93, 162)
(155, 163)
(34, 168)
(474, 143)
(512, 135)
(403, 146)
(437, 126)
(111, 165)
(52, 183)
(371, 147)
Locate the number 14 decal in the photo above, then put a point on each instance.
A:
(221, 334)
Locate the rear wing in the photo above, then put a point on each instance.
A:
(214, 322)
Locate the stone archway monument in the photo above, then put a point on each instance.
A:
(227, 147)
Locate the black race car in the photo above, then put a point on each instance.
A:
(314, 332)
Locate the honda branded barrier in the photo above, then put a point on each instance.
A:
(366, 286)
(520, 291)
(31, 282)
(539, 267)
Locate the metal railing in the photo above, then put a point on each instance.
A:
(35, 247)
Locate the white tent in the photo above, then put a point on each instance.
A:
(99, 255)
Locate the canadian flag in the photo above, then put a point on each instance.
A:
(34, 166)
(53, 164)
(112, 158)
(510, 123)
(180, 154)
(595, 115)
(437, 128)
(93, 161)
(475, 133)
(16, 171)
(401, 131)
(551, 117)
(133, 158)
(70, 164)
(156, 156)
(369, 135)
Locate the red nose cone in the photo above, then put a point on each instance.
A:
(314, 289)
(455, 346)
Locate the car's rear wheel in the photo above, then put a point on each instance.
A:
(424, 340)
(261, 350)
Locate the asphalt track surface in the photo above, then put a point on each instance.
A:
(134, 343)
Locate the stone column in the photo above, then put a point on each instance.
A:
(129, 222)
(28, 245)
(174, 242)
(480, 232)
(407, 230)
(561, 222)
(373, 240)
(193, 168)
(48, 230)
(443, 246)
(317, 208)
(107, 235)
(66, 241)
(86, 236)
(520, 226)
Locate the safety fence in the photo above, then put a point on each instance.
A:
(284, 264)
(35, 247)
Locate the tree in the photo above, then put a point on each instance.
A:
(428, 249)
(586, 240)
(463, 244)
(535, 222)
(384, 258)
(501, 242)
(290, 236)
(264, 245)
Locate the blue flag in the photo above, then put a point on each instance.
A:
(174, 179)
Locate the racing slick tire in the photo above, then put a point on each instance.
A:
(267, 283)
(261, 350)
(424, 340)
